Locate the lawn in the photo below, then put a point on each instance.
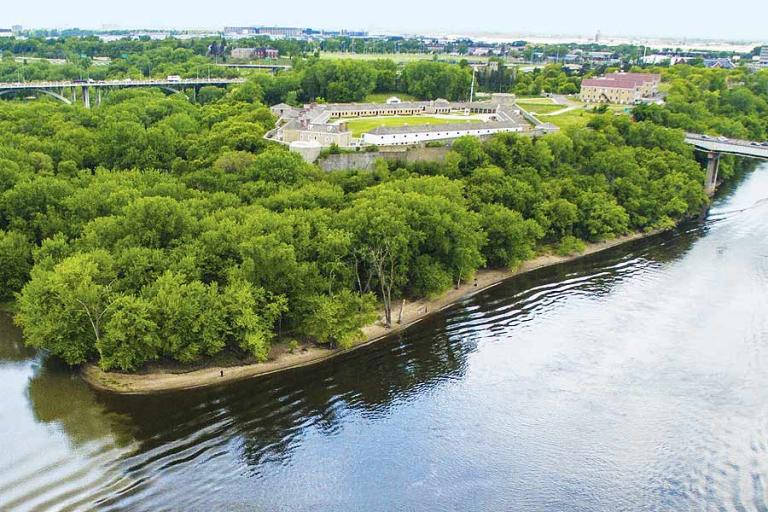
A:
(359, 126)
(540, 108)
(535, 99)
(572, 118)
(578, 117)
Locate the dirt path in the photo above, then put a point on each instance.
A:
(281, 360)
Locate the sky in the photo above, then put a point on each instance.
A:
(733, 20)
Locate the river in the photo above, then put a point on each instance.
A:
(634, 379)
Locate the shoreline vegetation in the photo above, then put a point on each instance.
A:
(155, 234)
(158, 379)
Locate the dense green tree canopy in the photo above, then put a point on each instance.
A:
(154, 228)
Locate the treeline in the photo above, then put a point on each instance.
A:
(553, 78)
(347, 80)
(151, 228)
(719, 102)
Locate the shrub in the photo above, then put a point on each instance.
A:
(570, 245)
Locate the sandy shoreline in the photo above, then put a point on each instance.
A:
(159, 381)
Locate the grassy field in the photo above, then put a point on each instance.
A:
(572, 118)
(540, 108)
(539, 100)
(579, 117)
(384, 96)
(359, 126)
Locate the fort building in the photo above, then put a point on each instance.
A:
(620, 88)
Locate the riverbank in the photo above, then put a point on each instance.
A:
(159, 380)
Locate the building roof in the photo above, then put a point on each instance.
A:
(621, 80)
(643, 77)
(610, 83)
(448, 127)
(719, 63)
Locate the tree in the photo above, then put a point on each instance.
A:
(279, 167)
(15, 263)
(131, 335)
(63, 309)
(511, 238)
(337, 319)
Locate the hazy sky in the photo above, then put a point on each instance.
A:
(735, 19)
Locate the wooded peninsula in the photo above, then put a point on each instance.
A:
(153, 228)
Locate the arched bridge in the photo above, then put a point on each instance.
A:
(716, 146)
(58, 89)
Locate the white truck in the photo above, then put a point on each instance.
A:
(174, 78)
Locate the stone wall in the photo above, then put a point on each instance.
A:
(366, 160)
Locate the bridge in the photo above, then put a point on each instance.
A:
(58, 89)
(716, 146)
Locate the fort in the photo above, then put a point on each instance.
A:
(314, 126)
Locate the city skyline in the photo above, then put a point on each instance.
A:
(654, 19)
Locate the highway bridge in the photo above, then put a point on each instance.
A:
(66, 90)
(274, 68)
(716, 146)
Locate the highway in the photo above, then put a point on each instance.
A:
(714, 144)
(161, 82)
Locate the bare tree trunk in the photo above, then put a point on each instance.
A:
(357, 273)
(400, 316)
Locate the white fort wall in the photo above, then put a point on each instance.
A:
(394, 139)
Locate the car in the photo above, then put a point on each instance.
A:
(174, 78)
(764, 144)
(722, 139)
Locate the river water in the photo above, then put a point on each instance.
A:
(635, 379)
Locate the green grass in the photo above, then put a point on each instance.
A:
(578, 118)
(359, 126)
(540, 108)
(382, 97)
(535, 99)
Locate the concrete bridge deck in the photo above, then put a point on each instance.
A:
(746, 148)
(717, 146)
(192, 82)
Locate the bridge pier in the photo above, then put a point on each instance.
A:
(713, 165)
(86, 96)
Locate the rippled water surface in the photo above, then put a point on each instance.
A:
(636, 379)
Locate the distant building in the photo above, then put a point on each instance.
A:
(719, 64)
(240, 31)
(764, 57)
(620, 88)
(254, 53)
(6, 32)
(479, 51)
(17, 29)
(280, 31)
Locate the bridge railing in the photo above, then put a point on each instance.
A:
(123, 82)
